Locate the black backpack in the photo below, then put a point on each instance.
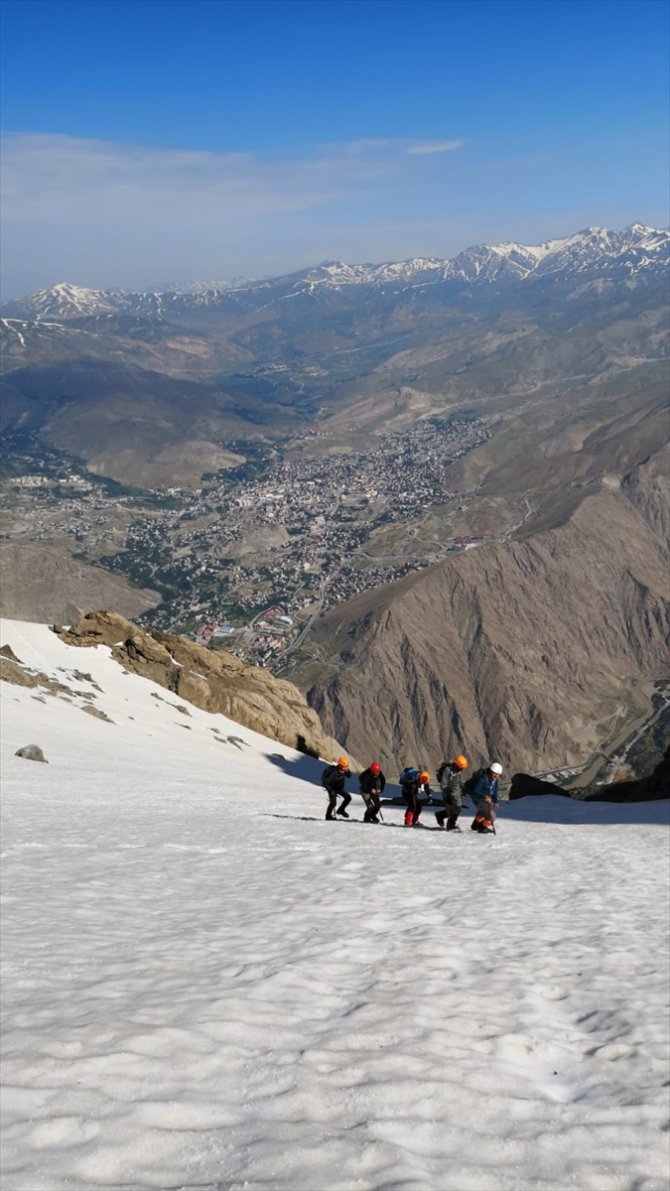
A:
(441, 770)
(469, 785)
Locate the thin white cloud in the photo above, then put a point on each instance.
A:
(425, 148)
(102, 212)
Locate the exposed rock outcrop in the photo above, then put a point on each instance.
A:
(20, 675)
(524, 785)
(213, 680)
(647, 789)
(6, 651)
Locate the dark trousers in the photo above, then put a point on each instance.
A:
(372, 807)
(453, 805)
(332, 802)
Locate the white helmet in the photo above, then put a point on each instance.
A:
(496, 768)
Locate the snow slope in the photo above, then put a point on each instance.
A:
(208, 986)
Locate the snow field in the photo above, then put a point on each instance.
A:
(208, 986)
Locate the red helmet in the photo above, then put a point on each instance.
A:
(375, 767)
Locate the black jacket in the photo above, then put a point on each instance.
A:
(411, 790)
(333, 779)
(371, 783)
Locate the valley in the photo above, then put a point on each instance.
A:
(256, 553)
(439, 481)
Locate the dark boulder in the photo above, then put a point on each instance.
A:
(525, 785)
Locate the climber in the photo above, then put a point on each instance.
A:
(413, 785)
(371, 782)
(450, 777)
(485, 798)
(332, 780)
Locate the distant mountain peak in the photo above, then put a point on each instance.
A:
(630, 252)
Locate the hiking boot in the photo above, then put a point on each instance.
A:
(329, 816)
(439, 819)
(454, 827)
(344, 814)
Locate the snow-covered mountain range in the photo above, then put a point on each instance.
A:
(628, 254)
(208, 985)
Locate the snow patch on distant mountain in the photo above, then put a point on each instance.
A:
(624, 254)
(69, 301)
(201, 287)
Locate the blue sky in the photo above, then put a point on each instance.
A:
(155, 140)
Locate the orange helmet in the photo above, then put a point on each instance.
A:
(424, 777)
(342, 763)
(460, 761)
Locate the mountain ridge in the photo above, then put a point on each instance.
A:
(633, 248)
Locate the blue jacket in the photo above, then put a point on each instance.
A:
(485, 786)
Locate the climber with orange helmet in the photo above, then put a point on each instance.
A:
(371, 782)
(332, 780)
(414, 783)
(450, 777)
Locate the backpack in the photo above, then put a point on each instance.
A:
(440, 771)
(471, 782)
(408, 774)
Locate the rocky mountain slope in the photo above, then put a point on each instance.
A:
(215, 681)
(523, 649)
(45, 584)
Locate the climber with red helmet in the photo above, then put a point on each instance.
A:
(371, 782)
(450, 777)
(332, 780)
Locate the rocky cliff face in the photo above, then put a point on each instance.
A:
(212, 680)
(521, 650)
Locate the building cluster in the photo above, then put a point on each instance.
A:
(246, 561)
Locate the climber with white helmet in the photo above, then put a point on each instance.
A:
(485, 798)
